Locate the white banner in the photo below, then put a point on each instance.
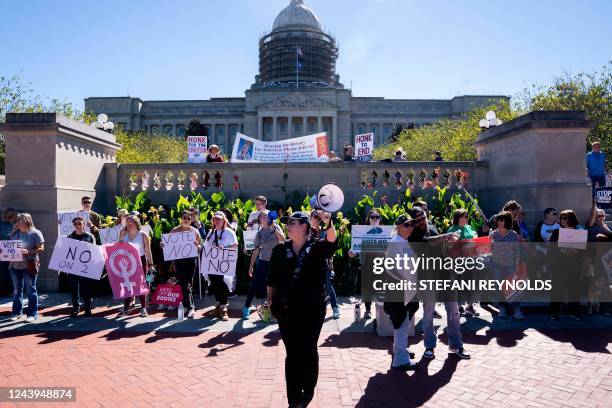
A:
(11, 251)
(77, 258)
(312, 148)
(249, 239)
(573, 238)
(110, 235)
(64, 220)
(197, 147)
(364, 146)
(218, 261)
(371, 235)
(179, 245)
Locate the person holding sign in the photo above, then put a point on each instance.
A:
(7, 226)
(213, 155)
(296, 295)
(567, 266)
(133, 233)
(25, 272)
(269, 236)
(597, 223)
(223, 237)
(185, 268)
(80, 283)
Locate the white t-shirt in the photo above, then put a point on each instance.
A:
(253, 221)
(225, 238)
(547, 230)
(138, 241)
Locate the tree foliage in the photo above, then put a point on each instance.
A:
(138, 147)
(453, 138)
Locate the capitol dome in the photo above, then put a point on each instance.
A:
(297, 14)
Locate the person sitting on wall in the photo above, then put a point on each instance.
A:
(438, 156)
(399, 155)
(333, 157)
(348, 153)
(213, 155)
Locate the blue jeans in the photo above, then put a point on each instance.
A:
(453, 323)
(601, 180)
(258, 284)
(20, 278)
(330, 290)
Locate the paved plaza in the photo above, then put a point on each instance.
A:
(159, 362)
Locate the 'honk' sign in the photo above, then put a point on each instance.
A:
(179, 245)
(77, 258)
(218, 261)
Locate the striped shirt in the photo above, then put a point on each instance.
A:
(505, 248)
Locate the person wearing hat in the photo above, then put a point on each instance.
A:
(269, 236)
(424, 241)
(401, 312)
(223, 237)
(213, 154)
(122, 214)
(297, 298)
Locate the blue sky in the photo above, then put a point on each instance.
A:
(197, 49)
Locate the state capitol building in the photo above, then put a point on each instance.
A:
(283, 103)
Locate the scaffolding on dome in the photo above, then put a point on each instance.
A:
(278, 53)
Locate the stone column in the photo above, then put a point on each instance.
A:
(211, 135)
(335, 133)
(51, 162)
(226, 132)
(319, 124)
(260, 127)
(289, 127)
(382, 134)
(274, 128)
(304, 123)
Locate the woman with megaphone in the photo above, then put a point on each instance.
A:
(297, 298)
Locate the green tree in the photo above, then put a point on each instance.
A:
(591, 93)
(453, 138)
(138, 147)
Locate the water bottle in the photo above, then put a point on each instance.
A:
(181, 312)
(357, 312)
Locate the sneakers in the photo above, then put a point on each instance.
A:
(471, 312)
(246, 312)
(460, 352)
(336, 313)
(191, 314)
(404, 363)
(367, 315)
(30, 319)
(162, 307)
(143, 312)
(436, 315)
(429, 353)
(518, 314)
(502, 313)
(224, 315)
(14, 318)
(122, 312)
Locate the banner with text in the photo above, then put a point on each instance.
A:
(312, 148)
(369, 234)
(197, 147)
(218, 261)
(179, 245)
(77, 258)
(167, 294)
(125, 270)
(10, 251)
(364, 146)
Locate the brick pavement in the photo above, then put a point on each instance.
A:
(244, 368)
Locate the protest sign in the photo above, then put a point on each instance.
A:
(179, 245)
(573, 238)
(511, 292)
(470, 248)
(603, 196)
(110, 235)
(249, 239)
(77, 258)
(312, 148)
(361, 234)
(64, 220)
(218, 261)
(125, 270)
(197, 147)
(167, 294)
(10, 251)
(364, 146)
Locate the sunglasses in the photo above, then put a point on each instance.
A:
(408, 224)
(86, 202)
(601, 216)
(76, 224)
(186, 218)
(375, 217)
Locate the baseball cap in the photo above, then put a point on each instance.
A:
(402, 219)
(301, 216)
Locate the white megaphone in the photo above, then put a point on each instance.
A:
(329, 198)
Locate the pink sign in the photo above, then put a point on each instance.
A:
(167, 294)
(125, 271)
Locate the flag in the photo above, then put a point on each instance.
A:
(299, 52)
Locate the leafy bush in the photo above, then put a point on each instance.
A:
(138, 147)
